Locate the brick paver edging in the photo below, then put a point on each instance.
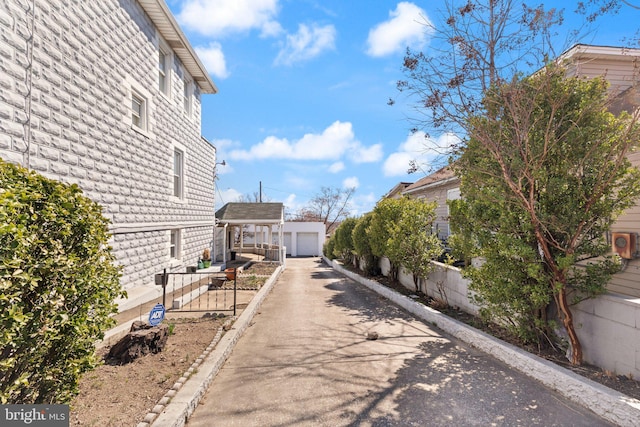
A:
(611, 405)
(187, 397)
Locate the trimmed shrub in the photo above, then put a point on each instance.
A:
(328, 248)
(58, 283)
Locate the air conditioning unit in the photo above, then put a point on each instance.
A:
(624, 244)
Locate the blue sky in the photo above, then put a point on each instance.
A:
(303, 90)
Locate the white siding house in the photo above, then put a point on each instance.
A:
(107, 94)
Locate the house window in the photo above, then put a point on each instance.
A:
(174, 245)
(163, 82)
(187, 96)
(178, 173)
(138, 111)
(452, 194)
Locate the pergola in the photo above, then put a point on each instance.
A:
(234, 216)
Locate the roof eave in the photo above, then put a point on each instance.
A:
(167, 26)
(431, 185)
(250, 221)
(593, 51)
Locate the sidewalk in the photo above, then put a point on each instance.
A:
(306, 360)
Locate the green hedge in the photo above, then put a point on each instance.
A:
(58, 283)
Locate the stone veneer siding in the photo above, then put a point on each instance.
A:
(65, 111)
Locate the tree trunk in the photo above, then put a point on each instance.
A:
(143, 339)
(567, 321)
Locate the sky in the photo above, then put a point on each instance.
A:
(304, 88)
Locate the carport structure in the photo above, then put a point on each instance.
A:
(233, 217)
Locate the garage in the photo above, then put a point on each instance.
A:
(287, 243)
(307, 244)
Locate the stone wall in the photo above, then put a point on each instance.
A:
(67, 74)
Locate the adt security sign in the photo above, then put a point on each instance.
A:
(156, 315)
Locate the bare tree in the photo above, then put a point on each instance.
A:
(330, 206)
(252, 198)
(480, 44)
(592, 9)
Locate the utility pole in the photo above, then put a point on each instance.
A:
(260, 197)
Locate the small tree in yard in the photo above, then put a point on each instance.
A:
(544, 175)
(381, 229)
(413, 240)
(401, 230)
(328, 248)
(343, 241)
(362, 245)
(57, 286)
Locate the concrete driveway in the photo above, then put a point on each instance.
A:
(307, 360)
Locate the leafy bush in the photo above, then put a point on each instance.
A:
(343, 247)
(58, 283)
(362, 245)
(328, 248)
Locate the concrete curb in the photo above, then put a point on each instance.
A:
(609, 404)
(192, 389)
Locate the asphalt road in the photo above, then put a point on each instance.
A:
(307, 361)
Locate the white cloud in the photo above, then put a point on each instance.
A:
(417, 147)
(223, 144)
(362, 203)
(397, 164)
(226, 196)
(405, 27)
(306, 44)
(351, 182)
(367, 154)
(336, 167)
(219, 18)
(222, 148)
(224, 169)
(334, 142)
(213, 59)
(292, 205)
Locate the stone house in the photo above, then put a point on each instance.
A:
(107, 95)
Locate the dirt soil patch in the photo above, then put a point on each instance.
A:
(623, 384)
(117, 395)
(122, 395)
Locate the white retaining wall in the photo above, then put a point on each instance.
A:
(608, 326)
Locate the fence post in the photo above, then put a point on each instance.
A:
(165, 280)
(161, 280)
(235, 287)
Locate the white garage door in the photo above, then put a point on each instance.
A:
(287, 242)
(307, 244)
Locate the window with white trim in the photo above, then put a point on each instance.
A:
(138, 111)
(163, 71)
(178, 173)
(175, 244)
(186, 94)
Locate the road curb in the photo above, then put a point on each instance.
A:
(609, 404)
(186, 399)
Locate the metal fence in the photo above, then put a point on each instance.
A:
(195, 291)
